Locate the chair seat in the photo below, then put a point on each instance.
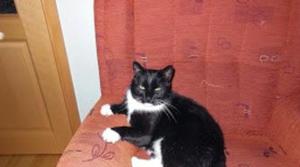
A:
(87, 149)
(255, 152)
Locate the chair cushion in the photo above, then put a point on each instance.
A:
(87, 149)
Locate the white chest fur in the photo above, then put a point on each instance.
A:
(135, 106)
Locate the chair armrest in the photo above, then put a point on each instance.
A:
(87, 148)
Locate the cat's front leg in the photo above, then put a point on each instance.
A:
(108, 110)
(110, 136)
(129, 134)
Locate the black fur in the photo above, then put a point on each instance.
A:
(191, 137)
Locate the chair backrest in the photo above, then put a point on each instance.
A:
(236, 57)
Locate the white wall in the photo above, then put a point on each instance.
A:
(77, 21)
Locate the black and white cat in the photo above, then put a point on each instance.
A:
(176, 130)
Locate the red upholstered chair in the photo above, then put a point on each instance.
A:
(239, 58)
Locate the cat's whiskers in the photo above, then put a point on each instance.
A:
(167, 111)
(168, 104)
(124, 105)
(170, 113)
(163, 110)
(167, 114)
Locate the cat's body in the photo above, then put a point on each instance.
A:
(176, 130)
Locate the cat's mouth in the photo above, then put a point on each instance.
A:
(148, 104)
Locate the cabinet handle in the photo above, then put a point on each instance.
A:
(2, 35)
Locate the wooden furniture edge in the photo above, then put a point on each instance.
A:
(54, 28)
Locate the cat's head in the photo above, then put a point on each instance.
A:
(151, 86)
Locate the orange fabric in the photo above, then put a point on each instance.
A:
(87, 149)
(229, 55)
(239, 58)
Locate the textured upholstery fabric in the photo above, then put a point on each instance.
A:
(239, 58)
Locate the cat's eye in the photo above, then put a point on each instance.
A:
(142, 87)
(157, 89)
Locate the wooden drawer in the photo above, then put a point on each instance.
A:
(11, 28)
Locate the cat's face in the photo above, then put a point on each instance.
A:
(151, 86)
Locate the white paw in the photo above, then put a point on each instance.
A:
(105, 110)
(135, 162)
(110, 136)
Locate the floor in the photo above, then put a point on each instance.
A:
(28, 160)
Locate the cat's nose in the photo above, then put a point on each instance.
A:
(148, 99)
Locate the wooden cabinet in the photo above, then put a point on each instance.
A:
(23, 113)
(38, 111)
(19, 89)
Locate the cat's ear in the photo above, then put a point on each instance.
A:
(137, 67)
(168, 72)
